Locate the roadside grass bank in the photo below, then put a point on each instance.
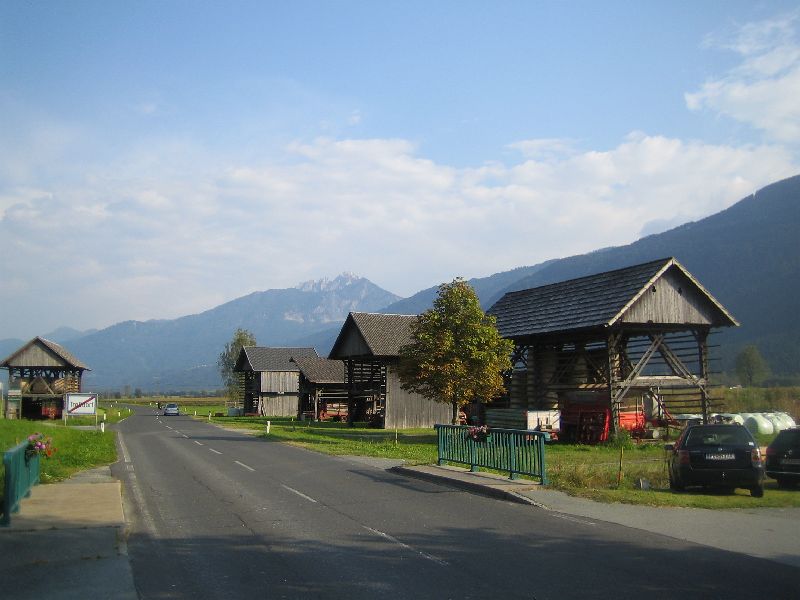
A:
(106, 412)
(76, 450)
(415, 446)
(586, 471)
(594, 472)
(187, 405)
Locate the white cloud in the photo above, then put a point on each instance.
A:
(169, 230)
(763, 90)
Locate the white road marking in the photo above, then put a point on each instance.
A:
(138, 497)
(167, 426)
(184, 435)
(241, 464)
(394, 540)
(125, 456)
(215, 451)
(573, 519)
(198, 443)
(301, 494)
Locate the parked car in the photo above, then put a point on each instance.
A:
(721, 455)
(171, 410)
(783, 457)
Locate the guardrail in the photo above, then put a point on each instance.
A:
(520, 452)
(21, 474)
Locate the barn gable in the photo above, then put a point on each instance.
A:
(675, 298)
(373, 334)
(43, 353)
(603, 300)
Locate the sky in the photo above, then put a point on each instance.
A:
(160, 158)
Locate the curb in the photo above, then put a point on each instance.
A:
(468, 486)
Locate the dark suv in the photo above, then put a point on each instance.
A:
(783, 457)
(723, 456)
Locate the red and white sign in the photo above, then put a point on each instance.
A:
(81, 404)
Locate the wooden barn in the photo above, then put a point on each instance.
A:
(271, 380)
(608, 350)
(40, 373)
(323, 392)
(369, 344)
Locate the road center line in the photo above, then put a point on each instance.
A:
(301, 494)
(198, 443)
(241, 464)
(394, 540)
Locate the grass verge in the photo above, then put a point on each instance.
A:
(76, 450)
(585, 471)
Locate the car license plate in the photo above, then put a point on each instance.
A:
(790, 461)
(720, 456)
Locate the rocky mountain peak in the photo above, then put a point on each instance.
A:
(328, 285)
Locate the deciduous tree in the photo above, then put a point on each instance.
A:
(234, 382)
(751, 367)
(456, 354)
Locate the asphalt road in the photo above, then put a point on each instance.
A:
(218, 514)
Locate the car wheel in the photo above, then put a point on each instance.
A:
(757, 491)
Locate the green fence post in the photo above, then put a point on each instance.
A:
(513, 457)
(439, 443)
(473, 456)
(542, 439)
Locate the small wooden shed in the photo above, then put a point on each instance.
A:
(629, 342)
(369, 344)
(271, 380)
(40, 373)
(323, 392)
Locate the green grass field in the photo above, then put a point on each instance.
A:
(76, 450)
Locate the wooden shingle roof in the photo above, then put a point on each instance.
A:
(25, 356)
(592, 302)
(382, 335)
(262, 358)
(320, 370)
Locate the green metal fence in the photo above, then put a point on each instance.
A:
(517, 451)
(21, 474)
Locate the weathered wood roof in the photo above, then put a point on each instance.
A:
(374, 334)
(262, 358)
(320, 370)
(606, 299)
(43, 353)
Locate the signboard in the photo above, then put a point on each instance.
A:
(81, 404)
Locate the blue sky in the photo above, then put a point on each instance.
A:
(160, 158)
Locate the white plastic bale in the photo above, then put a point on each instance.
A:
(757, 423)
(777, 423)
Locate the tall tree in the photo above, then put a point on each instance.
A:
(456, 354)
(751, 367)
(234, 382)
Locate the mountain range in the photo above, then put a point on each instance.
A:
(747, 256)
